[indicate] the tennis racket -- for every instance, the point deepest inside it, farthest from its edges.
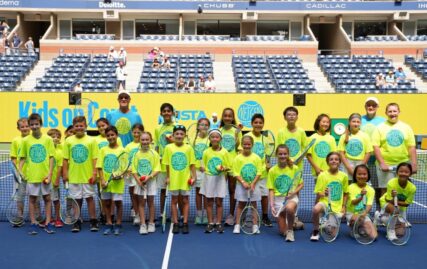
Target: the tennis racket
(361, 229)
(269, 143)
(284, 185)
(15, 208)
(70, 210)
(164, 212)
(192, 132)
(249, 217)
(85, 107)
(329, 223)
(229, 142)
(120, 167)
(304, 152)
(398, 228)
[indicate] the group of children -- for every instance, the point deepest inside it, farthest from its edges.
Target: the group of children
(217, 162)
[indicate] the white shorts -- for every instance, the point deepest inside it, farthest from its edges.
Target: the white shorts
(278, 201)
(241, 193)
(325, 208)
(22, 191)
(402, 213)
(54, 194)
(214, 186)
(37, 189)
(81, 191)
(201, 176)
(262, 183)
(150, 187)
(130, 181)
(111, 196)
(353, 164)
(349, 215)
(180, 192)
(161, 180)
(383, 177)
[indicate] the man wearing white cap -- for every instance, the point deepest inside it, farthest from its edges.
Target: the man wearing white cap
(214, 121)
(370, 121)
(122, 55)
(124, 117)
(121, 76)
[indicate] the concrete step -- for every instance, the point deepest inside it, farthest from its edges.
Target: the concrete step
(29, 83)
(420, 84)
(224, 77)
(320, 80)
(134, 70)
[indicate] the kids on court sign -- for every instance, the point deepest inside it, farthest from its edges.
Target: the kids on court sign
(57, 113)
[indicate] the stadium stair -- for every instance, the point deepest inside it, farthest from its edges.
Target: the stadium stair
(30, 81)
(320, 81)
(410, 74)
(134, 69)
(224, 78)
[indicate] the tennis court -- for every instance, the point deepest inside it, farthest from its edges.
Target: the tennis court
(200, 250)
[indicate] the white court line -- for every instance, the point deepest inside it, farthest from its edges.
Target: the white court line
(6, 176)
(168, 249)
(425, 206)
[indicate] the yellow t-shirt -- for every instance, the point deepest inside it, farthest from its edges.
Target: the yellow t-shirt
(37, 152)
(107, 159)
(296, 141)
(57, 163)
(103, 142)
(394, 141)
(212, 158)
(15, 149)
(354, 193)
(338, 185)
(229, 140)
(282, 181)
(259, 149)
(179, 160)
(247, 167)
(80, 153)
(201, 144)
(160, 141)
(132, 148)
(406, 194)
(358, 145)
(146, 163)
(324, 144)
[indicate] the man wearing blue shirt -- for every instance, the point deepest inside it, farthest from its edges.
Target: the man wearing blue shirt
(124, 118)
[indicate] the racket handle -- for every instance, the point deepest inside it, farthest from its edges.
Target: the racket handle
(67, 184)
(395, 201)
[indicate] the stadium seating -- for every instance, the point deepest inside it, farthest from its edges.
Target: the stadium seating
(357, 74)
(65, 71)
(100, 76)
(158, 38)
(205, 38)
(265, 38)
(94, 37)
(13, 68)
(164, 80)
(418, 66)
(417, 37)
(376, 38)
(270, 74)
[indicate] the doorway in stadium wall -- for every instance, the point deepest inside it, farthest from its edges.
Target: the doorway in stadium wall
(35, 29)
(327, 33)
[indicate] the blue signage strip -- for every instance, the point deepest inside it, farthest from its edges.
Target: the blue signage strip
(217, 6)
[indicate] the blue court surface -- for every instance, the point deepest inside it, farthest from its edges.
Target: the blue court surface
(199, 250)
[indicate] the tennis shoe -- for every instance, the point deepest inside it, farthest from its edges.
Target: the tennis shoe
(209, 228)
(315, 236)
(33, 229)
(50, 229)
(59, 224)
(377, 218)
(267, 222)
(18, 225)
(198, 220)
(255, 229)
(77, 227)
(143, 229)
(236, 229)
(151, 227)
(290, 236)
(219, 228)
(117, 229)
(132, 213)
(185, 229)
(136, 220)
(94, 227)
(175, 229)
(391, 235)
(205, 220)
(229, 221)
(108, 230)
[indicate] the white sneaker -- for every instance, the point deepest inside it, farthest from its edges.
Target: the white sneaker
(377, 218)
(236, 229)
(136, 220)
(315, 236)
(229, 220)
(255, 229)
(391, 235)
(143, 229)
(132, 213)
(290, 236)
(151, 227)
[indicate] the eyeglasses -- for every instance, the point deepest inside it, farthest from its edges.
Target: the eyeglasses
(124, 97)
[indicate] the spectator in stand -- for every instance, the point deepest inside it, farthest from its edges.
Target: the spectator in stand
(380, 81)
(112, 54)
(166, 63)
(390, 80)
(400, 74)
(16, 43)
(210, 84)
(1, 27)
(6, 44)
(29, 45)
(78, 87)
(4, 27)
(201, 83)
(152, 54)
(156, 64)
(191, 84)
(180, 84)
(122, 56)
(161, 54)
(215, 123)
(121, 76)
